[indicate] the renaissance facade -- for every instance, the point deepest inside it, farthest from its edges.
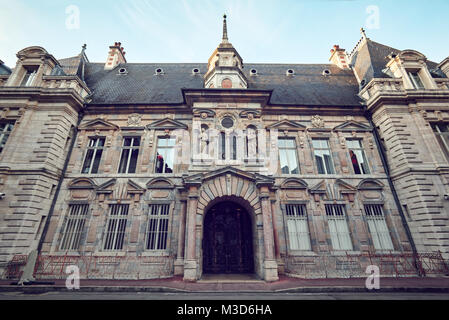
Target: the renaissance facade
(146, 170)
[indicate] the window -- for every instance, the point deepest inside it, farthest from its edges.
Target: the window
(323, 156)
(357, 155)
(288, 156)
(130, 153)
(222, 145)
(5, 131)
(165, 155)
(157, 229)
(116, 227)
(416, 80)
(93, 155)
(233, 142)
(378, 227)
(442, 132)
(74, 226)
(338, 227)
(298, 229)
(29, 77)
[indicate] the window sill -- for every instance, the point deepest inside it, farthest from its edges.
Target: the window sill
(154, 254)
(345, 252)
(111, 254)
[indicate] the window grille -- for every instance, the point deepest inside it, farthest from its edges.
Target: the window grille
(378, 227)
(74, 226)
(297, 226)
(157, 228)
(338, 227)
(116, 227)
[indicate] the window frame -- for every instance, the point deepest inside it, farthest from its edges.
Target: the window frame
(303, 217)
(440, 135)
(159, 218)
(96, 148)
(327, 140)
(338, 217)
(131, 147)
(166, 147)
(77, 221)
(362, 150)
(375, 212)
(30, 75)
(116, 232)
(6, 133)
(285, 149)
(412, 76)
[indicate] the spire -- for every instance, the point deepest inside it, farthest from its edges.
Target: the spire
(225, 30)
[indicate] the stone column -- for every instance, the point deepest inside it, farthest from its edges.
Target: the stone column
(191, 263)
(270, 264)
(179, 263)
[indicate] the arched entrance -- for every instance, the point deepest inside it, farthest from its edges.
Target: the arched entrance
(227, 239)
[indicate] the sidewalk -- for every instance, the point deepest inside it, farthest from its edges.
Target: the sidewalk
(285, 284)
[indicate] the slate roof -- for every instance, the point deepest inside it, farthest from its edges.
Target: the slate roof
(142, 86)
(371, 59)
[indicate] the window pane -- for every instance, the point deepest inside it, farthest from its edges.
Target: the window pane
(96, 163)
(124, 161)
(133, 161)
(88, 161)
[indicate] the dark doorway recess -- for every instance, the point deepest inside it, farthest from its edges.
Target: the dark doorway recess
(227, 240)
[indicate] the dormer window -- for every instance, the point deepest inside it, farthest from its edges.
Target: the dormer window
(29, 77)
(416, 80)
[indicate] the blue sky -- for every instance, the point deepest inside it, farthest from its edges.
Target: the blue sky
(280, 31)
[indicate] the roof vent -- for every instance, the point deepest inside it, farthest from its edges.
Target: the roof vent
(195, 71)
(326, 72)
(159, 71)
(122, 71)
(290, 72)
(253, 72)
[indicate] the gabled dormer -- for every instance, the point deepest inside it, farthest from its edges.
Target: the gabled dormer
(225, 66)
(32, 64)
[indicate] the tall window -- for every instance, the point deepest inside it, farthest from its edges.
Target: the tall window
(165, 155)
(74, 226)
(5, 131)
(378, 227)
(130, 153)
(323, 156)
(233, 143)
(357, 155)
(222, 146)
(442, 132)
(93, 155)
(338, 227)
(416, 80)
(288, 156)
(116, 227)
(298, 229)
(29, 77)
(157, 229)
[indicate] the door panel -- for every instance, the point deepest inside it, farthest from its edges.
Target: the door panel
(227, 240)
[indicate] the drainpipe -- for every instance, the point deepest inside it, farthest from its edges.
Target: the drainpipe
(27, 276)
(383, 158)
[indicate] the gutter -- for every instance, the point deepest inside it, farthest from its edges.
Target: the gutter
(27, 276)
(383, 158)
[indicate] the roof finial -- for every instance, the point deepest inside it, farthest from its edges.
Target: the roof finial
(362, 31)
(225, 30)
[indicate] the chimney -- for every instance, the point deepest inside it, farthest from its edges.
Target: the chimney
(116, 56)
(339, 57)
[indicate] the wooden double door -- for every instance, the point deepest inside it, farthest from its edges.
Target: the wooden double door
(227, 240)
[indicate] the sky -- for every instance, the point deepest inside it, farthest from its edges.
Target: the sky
(262, 31)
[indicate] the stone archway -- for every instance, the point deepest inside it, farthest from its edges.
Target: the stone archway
(252, 192)
(227, 239)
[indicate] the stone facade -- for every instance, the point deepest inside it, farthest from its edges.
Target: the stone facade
(225, 146)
